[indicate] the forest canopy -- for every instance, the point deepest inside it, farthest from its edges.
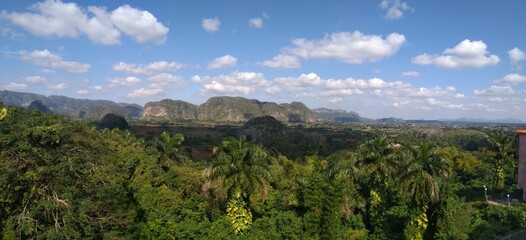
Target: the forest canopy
(66, 179)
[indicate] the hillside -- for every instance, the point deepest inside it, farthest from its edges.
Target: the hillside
(331, 115)
(168, 109)
(227, 109)
(76, 108)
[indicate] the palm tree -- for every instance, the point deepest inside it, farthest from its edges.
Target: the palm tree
(379, 157)
(424, 164)
(418, 179)
(502, 152)
(239, 168)
(170, 148)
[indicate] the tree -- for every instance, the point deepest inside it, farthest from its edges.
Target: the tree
(330, 198)
(501, 151)
(240, 169)
(379, 159)
(170, 149)
(418, 179)
(3, 111)
(112, 121)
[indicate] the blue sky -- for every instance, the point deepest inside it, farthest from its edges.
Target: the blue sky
(380, 58)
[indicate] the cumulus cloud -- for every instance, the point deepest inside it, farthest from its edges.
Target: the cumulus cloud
(350, 47)
(411, 74)
(494, 90)
(358, 84)
(233, 83)
(467, 54)
(34, 79)
(282, 61)
(82, 92)
(54, 18)
(148, 69)
(255, 22)
(145, 92)
(46, 58)
(303, 81)
(58, 86)
(512, 79)
(222, 62)
(97, 88)
(123, 82)
(13, 86)
(516, 55)
(210, 24)
(167, 80)
(395, 8)
(142, 26)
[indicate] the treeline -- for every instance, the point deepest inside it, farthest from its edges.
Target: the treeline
(64, 179)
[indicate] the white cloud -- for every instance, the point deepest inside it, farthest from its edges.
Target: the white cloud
(47, 71)
(34, 79)
(222, 62)
(46, 58)
(142, 26)
(512, 79)
(467, 54)
(255, 22)
(350, 47)
(13, 86)
(395, 8)
(148, 69)
(303, 81)
(10, 33)
(167, 80)
(145, 92)
(495, 90)
(58, 86)
(335, 100)
(282, 61)
(97, 88)
(411, 74)
(123, 82)
(516, 55)
(210, 24)
(358, 84)
(82, 92)
(234, 83)
(53, 18)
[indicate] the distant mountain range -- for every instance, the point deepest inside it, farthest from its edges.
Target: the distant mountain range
(76, 108)
(216, 109)
(227, 109)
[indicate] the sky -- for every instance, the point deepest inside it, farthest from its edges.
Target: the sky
(381, 58)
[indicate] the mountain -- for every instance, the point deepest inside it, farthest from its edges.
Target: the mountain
(170, 110)
(331, 115)
(39, 106)
(481, 120)
(226, 109)
(76, 108)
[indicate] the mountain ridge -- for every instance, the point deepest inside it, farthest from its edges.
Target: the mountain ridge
(286, 112)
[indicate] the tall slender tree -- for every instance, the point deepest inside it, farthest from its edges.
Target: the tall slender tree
(501, 152)
(240, 168)
(379, 159)
(170, 149)
(419, 180)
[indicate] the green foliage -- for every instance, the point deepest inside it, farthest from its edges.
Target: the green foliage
(112, 121)
(238, 214)
(62, 179)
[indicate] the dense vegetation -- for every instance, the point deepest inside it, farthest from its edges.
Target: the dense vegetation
(65, 179)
